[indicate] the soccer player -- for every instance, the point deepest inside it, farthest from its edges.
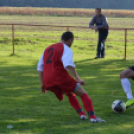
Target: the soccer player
(52, 68)
(124, 76)
(102, 27)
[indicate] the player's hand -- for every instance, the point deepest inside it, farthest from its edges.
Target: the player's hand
(93, 27)
(82, 82)
(43, 89)
(96, 29)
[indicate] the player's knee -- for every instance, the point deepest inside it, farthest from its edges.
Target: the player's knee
(80, 92)
(103, 41)
(122, 75)
(84, 92)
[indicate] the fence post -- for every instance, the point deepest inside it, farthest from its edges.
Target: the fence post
(13, 37)
(125, 44)
(67, 28)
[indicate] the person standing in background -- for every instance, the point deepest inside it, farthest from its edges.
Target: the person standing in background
(101, 26)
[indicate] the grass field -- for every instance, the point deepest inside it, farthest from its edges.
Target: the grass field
(29, 111)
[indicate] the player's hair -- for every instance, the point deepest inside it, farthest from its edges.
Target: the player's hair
(67, 35)
(98, 8)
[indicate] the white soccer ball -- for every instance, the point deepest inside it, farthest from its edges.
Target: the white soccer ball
(118, 106)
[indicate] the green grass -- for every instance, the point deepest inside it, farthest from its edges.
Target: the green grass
(29, 111)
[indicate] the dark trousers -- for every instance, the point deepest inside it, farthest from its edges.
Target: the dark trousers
(101, 43)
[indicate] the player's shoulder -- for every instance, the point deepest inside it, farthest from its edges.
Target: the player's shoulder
(56, 45)
(102, 15)
(59, 44)
(67, 48)
(95, 16)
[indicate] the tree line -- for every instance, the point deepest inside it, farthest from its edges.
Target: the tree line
(105, 4)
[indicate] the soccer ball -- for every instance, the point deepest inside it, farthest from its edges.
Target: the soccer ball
(118, 106)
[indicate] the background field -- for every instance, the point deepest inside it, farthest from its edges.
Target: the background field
(30, 37)
(81, 12)
(30, 111)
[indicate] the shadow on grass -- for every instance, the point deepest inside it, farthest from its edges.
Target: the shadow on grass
(16, 55)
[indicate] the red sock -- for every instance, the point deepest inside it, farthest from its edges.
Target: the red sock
(75, 104)
(87, 103)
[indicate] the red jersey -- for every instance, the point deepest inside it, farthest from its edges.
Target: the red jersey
(54, 73)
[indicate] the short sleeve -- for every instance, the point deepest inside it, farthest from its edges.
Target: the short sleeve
(40, 65)
(67, 57)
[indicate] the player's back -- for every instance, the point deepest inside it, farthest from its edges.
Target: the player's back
(53, 67)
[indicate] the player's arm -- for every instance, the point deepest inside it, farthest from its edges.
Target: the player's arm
(40, 68)
(72, 70)
(68, 63)
(41, 76)
(92, 22)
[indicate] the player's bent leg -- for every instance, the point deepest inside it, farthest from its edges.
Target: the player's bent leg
(75, 104)
(87, 103)
(128, 73)
(124, 76)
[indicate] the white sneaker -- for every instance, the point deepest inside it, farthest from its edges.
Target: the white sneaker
(83, 117)
(97, 120)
